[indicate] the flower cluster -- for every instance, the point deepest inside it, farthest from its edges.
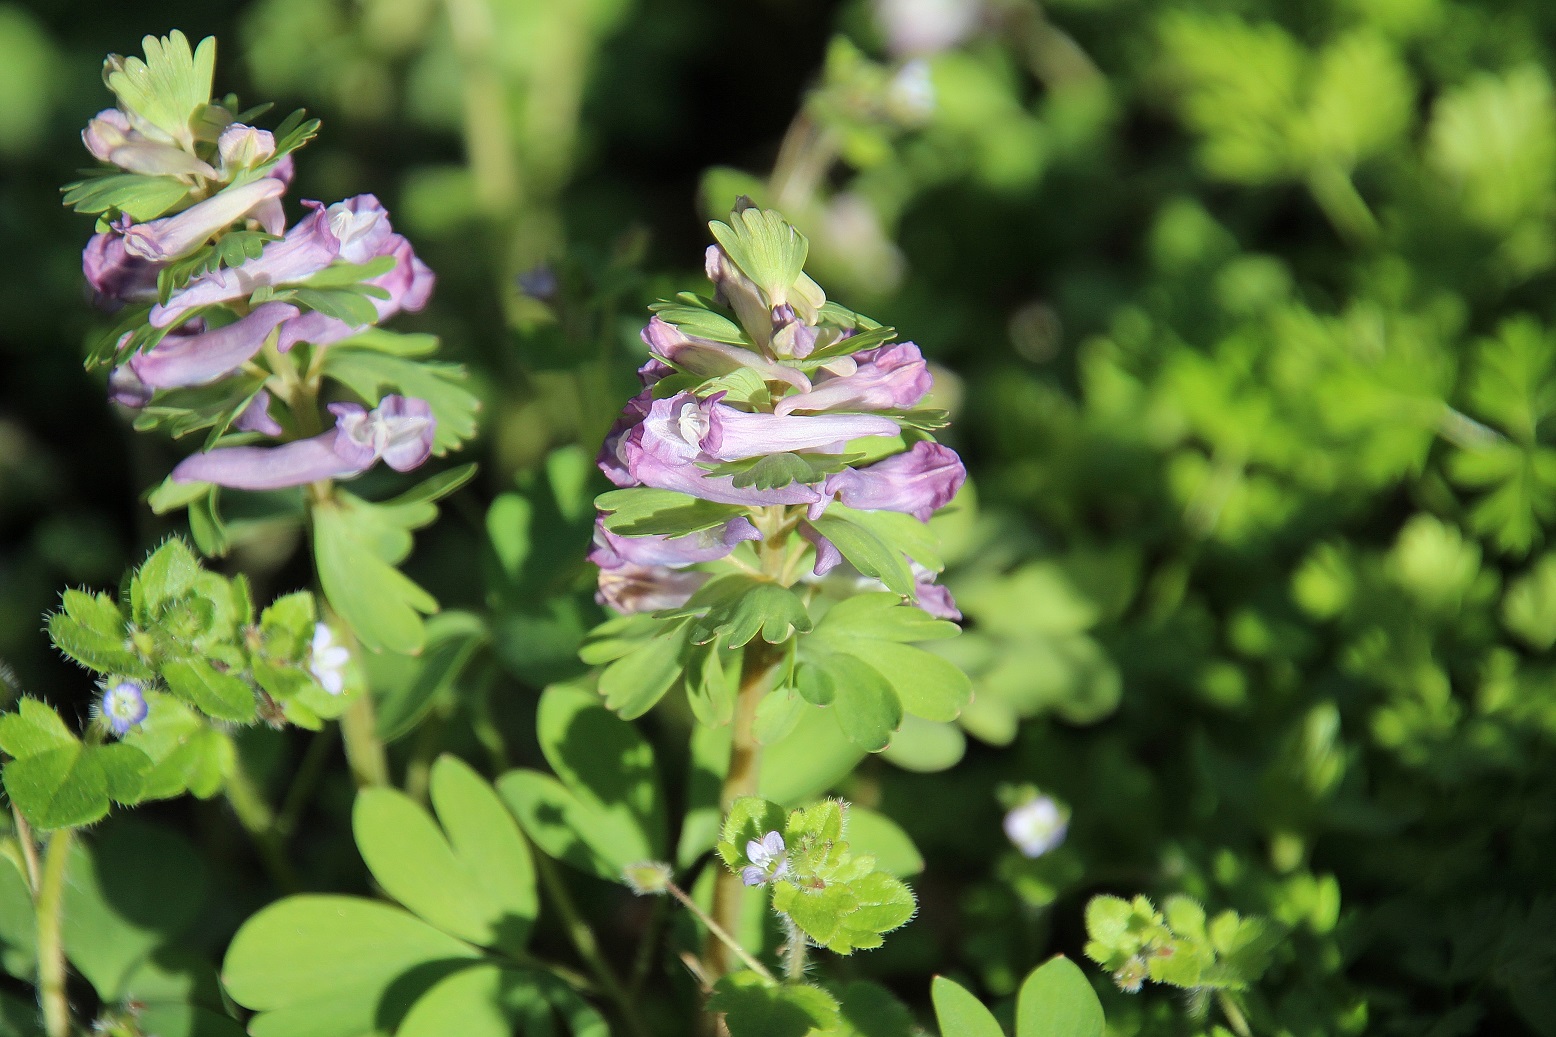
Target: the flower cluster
(793, 410)
(216, 291)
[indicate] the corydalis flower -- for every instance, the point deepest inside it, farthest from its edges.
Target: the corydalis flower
(918, 481)
(399, 431)
(123, 707)
(1037, 826)
(172, 237)
(327, 660)
(768, 862)
(203, 357)
(110, 138)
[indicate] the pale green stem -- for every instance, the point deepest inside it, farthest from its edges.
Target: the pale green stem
(793, 952)
(29, 849)
(50, 909)
(584, 942)
(364, 749)
(1346, 209)
(488, 133)
(1234, 1015)
(804, 156)
(719, 933)
(259, 821)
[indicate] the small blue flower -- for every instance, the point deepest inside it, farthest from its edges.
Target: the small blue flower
(1037, 826)
(767, 860)
(123, 707)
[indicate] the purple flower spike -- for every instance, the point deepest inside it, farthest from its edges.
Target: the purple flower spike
(175, 236)
(123, 707)
(200, 359)
(891, 377)
(110, 138)
(114, 274)
(709, 545)
(707, 359)
(646, 588)
(399, 431)
(308, 247)
(917, 481)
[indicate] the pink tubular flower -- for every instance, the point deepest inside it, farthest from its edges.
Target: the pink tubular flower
(890, 377)
(709, 545)
(409, 285)
(308, 247)
(647, 588)
(684, 425)
(110, 138)
(399, 431)
(173, 237)
(917, 481)
(114, 274)
(199, 359)
(708, 359)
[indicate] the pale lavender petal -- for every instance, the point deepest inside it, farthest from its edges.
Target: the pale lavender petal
(269, 468)
(935, 599)
(751, 875)
(199, 359)
(736, 435)
(243, 146)
(708, 359)
(107, 130)
(828, 557)
(115, 274)
(742, 295)
(127, 390)
(409, 428)
(613, 453)
(362, 226)
(891, 377)
(256, 416)
(175, 236)
(644, 588)
(271, 216)
(611, 550)
(110, 139)
(649, 469)
(772, 842)
(308, 247)
(409, 284)
(757, 853)
(916, 481)
(652, 371)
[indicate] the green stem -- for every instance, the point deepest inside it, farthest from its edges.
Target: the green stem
(50, 905)
(1346, 209)
(584, 942)
(305, 780)
(793, 952)
(259, 821)
(1234, 1015)
(742, 779)
(29, 848)
(718, 932)
(364, 750)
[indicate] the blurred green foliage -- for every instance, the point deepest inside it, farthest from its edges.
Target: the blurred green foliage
(1244, 310)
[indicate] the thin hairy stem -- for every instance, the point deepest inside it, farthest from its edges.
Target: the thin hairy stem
(259, 821)
(719, 933)
(29, 849)
(584, 942)
(793, 952)
(50, 907)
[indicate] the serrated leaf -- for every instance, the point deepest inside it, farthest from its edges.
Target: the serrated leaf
(737, 608)
(91, 630)
(639, 678)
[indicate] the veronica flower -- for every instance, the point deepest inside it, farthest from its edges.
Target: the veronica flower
(917, 481)
(399, 431)
(202, 358)
(890, 377)
(768, 862)
(123, 707)
(173, 237)
(1037, 826)
(110, 138)
(327, 660)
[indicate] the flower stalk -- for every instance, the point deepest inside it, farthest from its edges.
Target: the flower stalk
(50, 908)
